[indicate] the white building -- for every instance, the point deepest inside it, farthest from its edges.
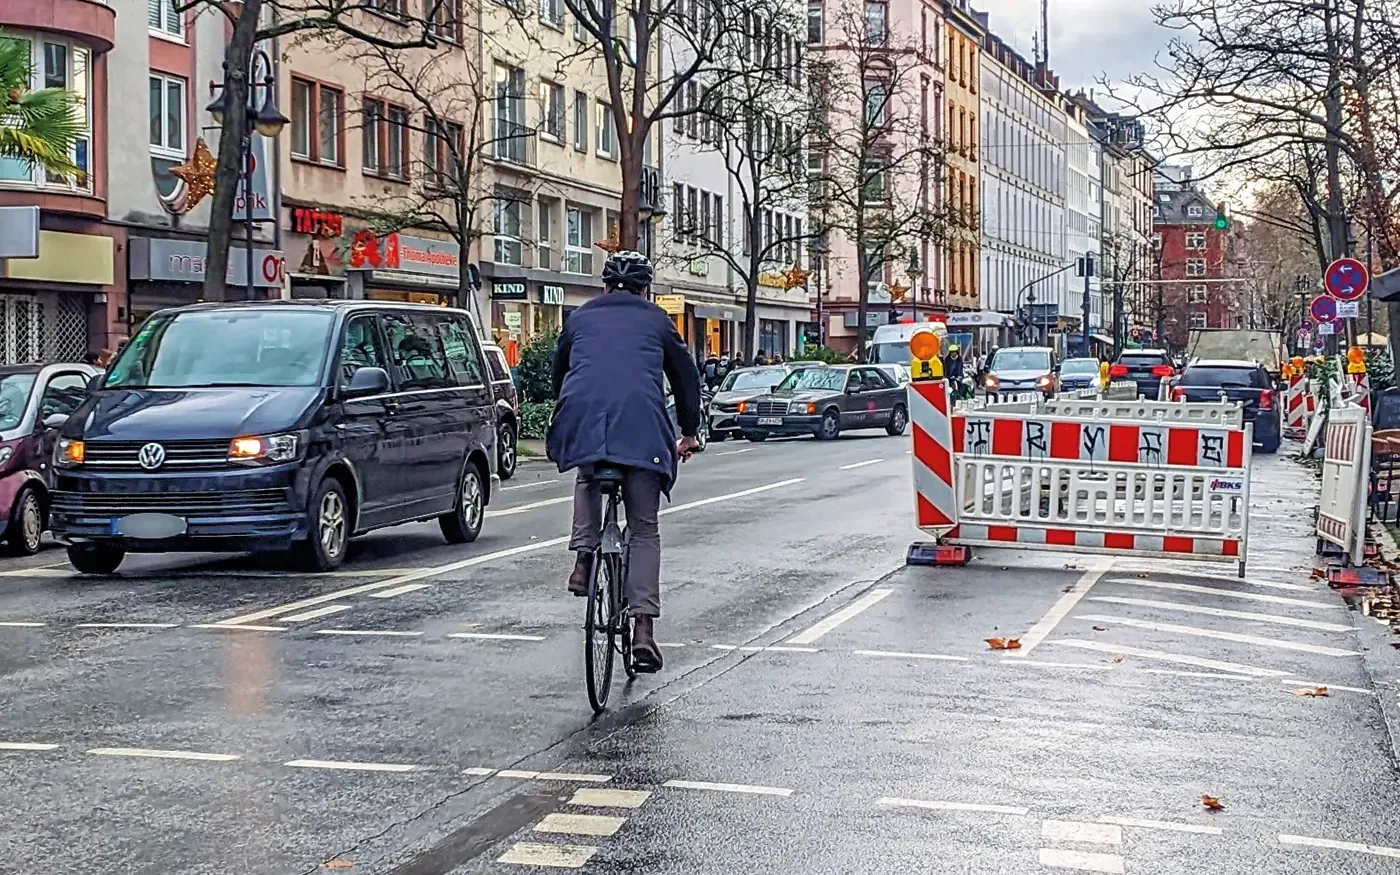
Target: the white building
(1023, 184)
(1084, 211)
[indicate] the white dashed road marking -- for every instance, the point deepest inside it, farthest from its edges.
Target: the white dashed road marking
(240, 628)
(1075, 831)
(580, 824)
(1236, 637)
(944, 805)
(349, 766)
(854, 609)
(368, 632)
(26, 745)
(534, 505)
(532, 485)
(897, 654)
(1224, 612)
(21, 624)
(554, 776)
(126, 625)
(399, 590)
(1163, 824)
(550, 856)
(1163, 656)
(590, 797)
(314, 614)
(495, 636)
(1082, 861)
(736, 452)
(163, 754)
(1062, 607)
(728, 788)
(778, 648)
(1355, 847)
(1223, 593)
(860, 464)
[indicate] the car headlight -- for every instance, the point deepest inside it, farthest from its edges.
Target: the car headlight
(1045, 382)
(991, 382)
(69, 452)
(802, 407)
(743, 407)
(265, 449)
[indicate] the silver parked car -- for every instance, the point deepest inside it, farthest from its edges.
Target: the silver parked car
(741, 385)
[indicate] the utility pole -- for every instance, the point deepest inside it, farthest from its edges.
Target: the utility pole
(1332, 149)
(1086, 269)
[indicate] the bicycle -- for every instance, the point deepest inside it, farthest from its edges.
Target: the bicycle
(607, 627)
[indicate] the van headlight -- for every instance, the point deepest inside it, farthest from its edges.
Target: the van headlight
(266, 449)
(69, 452)
(991, 382)
(1045, 382)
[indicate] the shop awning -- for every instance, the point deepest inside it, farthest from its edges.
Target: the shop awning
(726, 314)
(979, 319)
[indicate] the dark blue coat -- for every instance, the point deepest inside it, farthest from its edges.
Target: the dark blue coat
(611, 399)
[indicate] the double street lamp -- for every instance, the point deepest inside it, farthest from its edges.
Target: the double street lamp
(265, 119)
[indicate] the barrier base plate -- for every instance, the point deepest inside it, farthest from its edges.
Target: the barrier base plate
(931, 553)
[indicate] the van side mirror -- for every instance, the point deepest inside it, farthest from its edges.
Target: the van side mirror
(367, 381)
(95, 382)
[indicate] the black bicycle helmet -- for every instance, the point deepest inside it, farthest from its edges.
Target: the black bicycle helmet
(627, 270)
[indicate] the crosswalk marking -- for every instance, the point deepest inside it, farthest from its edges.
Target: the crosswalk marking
(598, 798)
(728, 788)
(399, 590)
(554, 776)
(1224, 612)
(1076, 831)
(580, 824)
(316, 613)
(854, 609)
(1083, 861)
(1164, 656)
(551, 856)
(1222, 593)
(1236, 637)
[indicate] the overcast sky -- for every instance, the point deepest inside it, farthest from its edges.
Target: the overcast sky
(1087, 37)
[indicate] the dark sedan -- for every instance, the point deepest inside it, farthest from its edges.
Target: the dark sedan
(1236, 380)
(826, 401)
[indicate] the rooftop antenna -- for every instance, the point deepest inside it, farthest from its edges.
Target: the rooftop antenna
(1045, 32)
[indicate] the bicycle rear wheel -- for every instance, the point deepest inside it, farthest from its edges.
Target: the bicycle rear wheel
(599, 632)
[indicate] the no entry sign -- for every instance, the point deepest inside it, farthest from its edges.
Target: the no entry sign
(1323, 309)
(1347, 279)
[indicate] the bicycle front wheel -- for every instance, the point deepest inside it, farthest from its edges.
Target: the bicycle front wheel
(599, 632)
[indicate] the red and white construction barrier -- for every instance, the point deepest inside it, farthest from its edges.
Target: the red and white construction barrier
(1295, 413)
(1361, 390)
(1079, 483)
(1346, 478)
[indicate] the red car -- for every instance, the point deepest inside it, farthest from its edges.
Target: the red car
(35, 400)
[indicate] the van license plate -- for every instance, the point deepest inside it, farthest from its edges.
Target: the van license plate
(770, 420)
(153, 526)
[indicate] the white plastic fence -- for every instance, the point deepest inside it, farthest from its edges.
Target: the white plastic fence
(1223, 414)
(1346, 477)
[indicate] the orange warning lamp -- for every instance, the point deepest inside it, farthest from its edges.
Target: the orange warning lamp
(924, 363)
(1356, 361)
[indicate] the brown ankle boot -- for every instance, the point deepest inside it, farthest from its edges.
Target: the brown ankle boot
(578, 578)
(646, 655)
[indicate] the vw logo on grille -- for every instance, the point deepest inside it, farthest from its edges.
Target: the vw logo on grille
(151, 456)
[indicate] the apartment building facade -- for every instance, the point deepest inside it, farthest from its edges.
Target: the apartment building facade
(1084, 216)
(965, 133)
(1199, 263)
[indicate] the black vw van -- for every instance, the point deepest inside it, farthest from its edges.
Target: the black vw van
(278, 425)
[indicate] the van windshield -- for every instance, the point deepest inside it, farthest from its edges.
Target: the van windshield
(225, 348)
(894, 353)
(1021, 360)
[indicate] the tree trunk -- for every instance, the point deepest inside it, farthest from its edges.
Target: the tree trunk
(754, 232)
(863, 297)
(631, 163)
(231, 140)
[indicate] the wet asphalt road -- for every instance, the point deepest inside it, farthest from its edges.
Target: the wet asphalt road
(824, 709)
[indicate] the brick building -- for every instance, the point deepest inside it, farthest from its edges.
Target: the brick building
(1199, 264)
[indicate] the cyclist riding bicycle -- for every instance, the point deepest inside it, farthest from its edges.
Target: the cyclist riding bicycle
(612, 411)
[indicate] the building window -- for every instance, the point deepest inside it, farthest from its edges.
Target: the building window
(578, 241)
(1196, 240)
(552, 104)
(875, 16)
(56, 64)
(544, 252)
(163, 19)
(384, 132)
(509, 102)
(1198, 319)
(386, 7)
(552, 13)
(814, 21)
(580, 121)
(446, 21)
(720, 221)
(1196, 295)
(317, 112)
(443, 147)
(604, 130)
(1195, 211)
(167, 111)
(1195, 267)
(507, 231)
(876, 104)
(704, 221)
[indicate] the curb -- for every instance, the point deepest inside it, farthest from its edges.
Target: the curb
(1379, 659)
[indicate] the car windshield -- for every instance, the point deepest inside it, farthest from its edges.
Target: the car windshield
(1235, 378)
(1079, 366)
(203, 348)
(830, 379)
(14, 394)
(896, 353)
(758, 378)
(1021, 360)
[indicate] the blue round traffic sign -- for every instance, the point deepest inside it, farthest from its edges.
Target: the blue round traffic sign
(1347, 279)
(1323, 308)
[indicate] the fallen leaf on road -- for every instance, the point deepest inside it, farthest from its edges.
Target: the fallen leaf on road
(1311, 692)
(337, 864)
(1211, 803)
(1117, 659)
(1100, 628)
(1004, 643)
(1069, 588)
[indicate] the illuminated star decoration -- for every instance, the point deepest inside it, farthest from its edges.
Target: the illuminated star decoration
(898, 291)
(610, 245)
(795, 278)
(198, 174)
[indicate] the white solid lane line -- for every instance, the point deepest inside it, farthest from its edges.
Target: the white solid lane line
(1236, 637)
(897, 654)
(860, 464)
(399, 590)
(369, 632)
(1356, 847)
(126, 625)
(534, 505)
(944, 805)
(494, 636)
(163, 754)
(580, 824)
(1081, 861)
(729, 788)
(1078, 831)
(736, 452)
(26, 745)
(1164, 824)
(1062, 607)
(860, 605)
(532, 485)
(1163, 656)
(1224, 612)
(422, 573)
(1222, 593)
(349, 766)
(318, 612)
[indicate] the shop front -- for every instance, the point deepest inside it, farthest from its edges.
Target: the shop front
(402, 267)
(53, 306)
(719, 325)
(317, 249)
(170, 273)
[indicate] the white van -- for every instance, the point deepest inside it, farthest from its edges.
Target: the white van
(890, 346)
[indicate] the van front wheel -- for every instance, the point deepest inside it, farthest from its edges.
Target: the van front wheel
(328, 529)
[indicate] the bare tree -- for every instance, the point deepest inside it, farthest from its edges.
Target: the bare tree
(878, 158)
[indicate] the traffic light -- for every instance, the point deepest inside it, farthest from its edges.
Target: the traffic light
(1222, 221)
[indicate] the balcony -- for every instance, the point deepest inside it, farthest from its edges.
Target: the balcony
(513, 143)
(87, 21)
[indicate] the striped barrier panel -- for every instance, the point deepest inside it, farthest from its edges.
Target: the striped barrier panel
(1346, 477)
(1361, 390)
(935, 508)
(1226, 414)
(1295, 406)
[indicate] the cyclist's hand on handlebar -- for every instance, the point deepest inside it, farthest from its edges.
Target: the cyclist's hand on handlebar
(686, 447)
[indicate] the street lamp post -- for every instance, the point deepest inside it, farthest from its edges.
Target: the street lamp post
(819, 248)
(916, 272)
(266, 120)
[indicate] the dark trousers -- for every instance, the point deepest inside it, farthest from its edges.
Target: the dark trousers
(641, 497)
